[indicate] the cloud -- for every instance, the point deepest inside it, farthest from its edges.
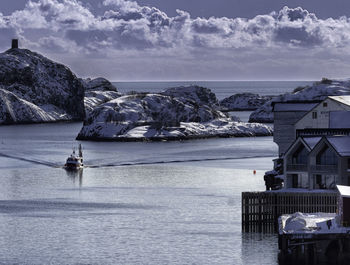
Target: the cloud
(127, 25)
(127, 28)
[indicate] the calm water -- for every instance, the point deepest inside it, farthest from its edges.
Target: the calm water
(173, 203)
(149, 213)
(222, 89)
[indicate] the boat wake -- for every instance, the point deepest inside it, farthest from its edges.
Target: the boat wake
(39, 162)
(174, 161)
(139, 163)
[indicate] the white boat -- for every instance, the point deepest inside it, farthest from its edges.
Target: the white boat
(75, 161)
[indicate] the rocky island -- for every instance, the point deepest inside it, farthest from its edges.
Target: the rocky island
(35, 89)
(243, 101)
(175, 114)
(98, 91)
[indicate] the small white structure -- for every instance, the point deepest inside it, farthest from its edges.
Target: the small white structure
(344, 205)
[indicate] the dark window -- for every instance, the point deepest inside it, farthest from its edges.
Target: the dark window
(318, 179)
(319, 182)
(300, 156)
(326, 157)
(294, 181)
(348, 163)
(314, 115)
(324, 104)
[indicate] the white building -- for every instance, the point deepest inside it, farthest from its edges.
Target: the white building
(329, 117)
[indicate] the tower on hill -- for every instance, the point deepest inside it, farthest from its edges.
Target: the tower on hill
(14, 44)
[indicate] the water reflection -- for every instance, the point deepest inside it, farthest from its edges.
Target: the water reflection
(255, 245)
(75, 175)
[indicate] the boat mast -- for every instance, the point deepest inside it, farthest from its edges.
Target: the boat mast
(80, 151)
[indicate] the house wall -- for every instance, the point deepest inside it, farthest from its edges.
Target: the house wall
(284, 130)
(322, 120)
(344, 171)
(303, 180)
(346, 211)
(328, 178)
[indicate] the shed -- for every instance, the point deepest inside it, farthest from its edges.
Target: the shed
(344, 204)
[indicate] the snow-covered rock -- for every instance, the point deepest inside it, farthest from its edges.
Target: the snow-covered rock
(198, 94)
(36, 89)
(98, 84)
(318, 91)
(167, 115)
(243, 101)
(97, 92)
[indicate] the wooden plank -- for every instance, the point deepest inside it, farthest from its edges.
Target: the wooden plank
(260, 210)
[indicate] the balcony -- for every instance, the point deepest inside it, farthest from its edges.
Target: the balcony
(296, 167)
(325, 168)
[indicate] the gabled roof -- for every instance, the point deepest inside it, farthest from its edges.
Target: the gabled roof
(344, 190)
(341, 144)
(308, 142)
(311, 141)
(342, 99)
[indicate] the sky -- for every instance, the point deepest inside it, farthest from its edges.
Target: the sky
(185, 39)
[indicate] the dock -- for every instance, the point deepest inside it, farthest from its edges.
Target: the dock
(317, 238)
(260, 210)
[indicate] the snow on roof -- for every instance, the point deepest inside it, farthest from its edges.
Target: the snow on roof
(341, 144)
(311, 141)
(281, 106)
(342, 99)
(310, 223)
(344, 190)
(339, 119)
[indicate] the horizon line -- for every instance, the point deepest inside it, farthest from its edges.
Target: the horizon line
(174, 81)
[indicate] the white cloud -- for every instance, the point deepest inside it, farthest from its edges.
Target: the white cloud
(70, 27)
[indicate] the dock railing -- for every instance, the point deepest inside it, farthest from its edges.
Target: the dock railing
(260, 210)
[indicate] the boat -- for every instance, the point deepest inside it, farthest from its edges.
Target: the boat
(74, 161)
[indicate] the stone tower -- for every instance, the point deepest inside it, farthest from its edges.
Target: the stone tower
(14, 44)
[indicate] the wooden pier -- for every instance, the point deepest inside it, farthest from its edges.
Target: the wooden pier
(260, 210)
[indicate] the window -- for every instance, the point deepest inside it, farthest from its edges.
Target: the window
(294, 181)
(325, 104)
(320, 182)
(314, 115)
(300, 156)
(326, 157)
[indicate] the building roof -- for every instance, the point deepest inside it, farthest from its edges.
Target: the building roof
(339, 119)
(308, 142)
(341, 144)
(344, 190)
(294, 106)
(311, 141)
(342, 99)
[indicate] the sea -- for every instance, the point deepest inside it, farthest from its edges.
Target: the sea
(176, 202)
